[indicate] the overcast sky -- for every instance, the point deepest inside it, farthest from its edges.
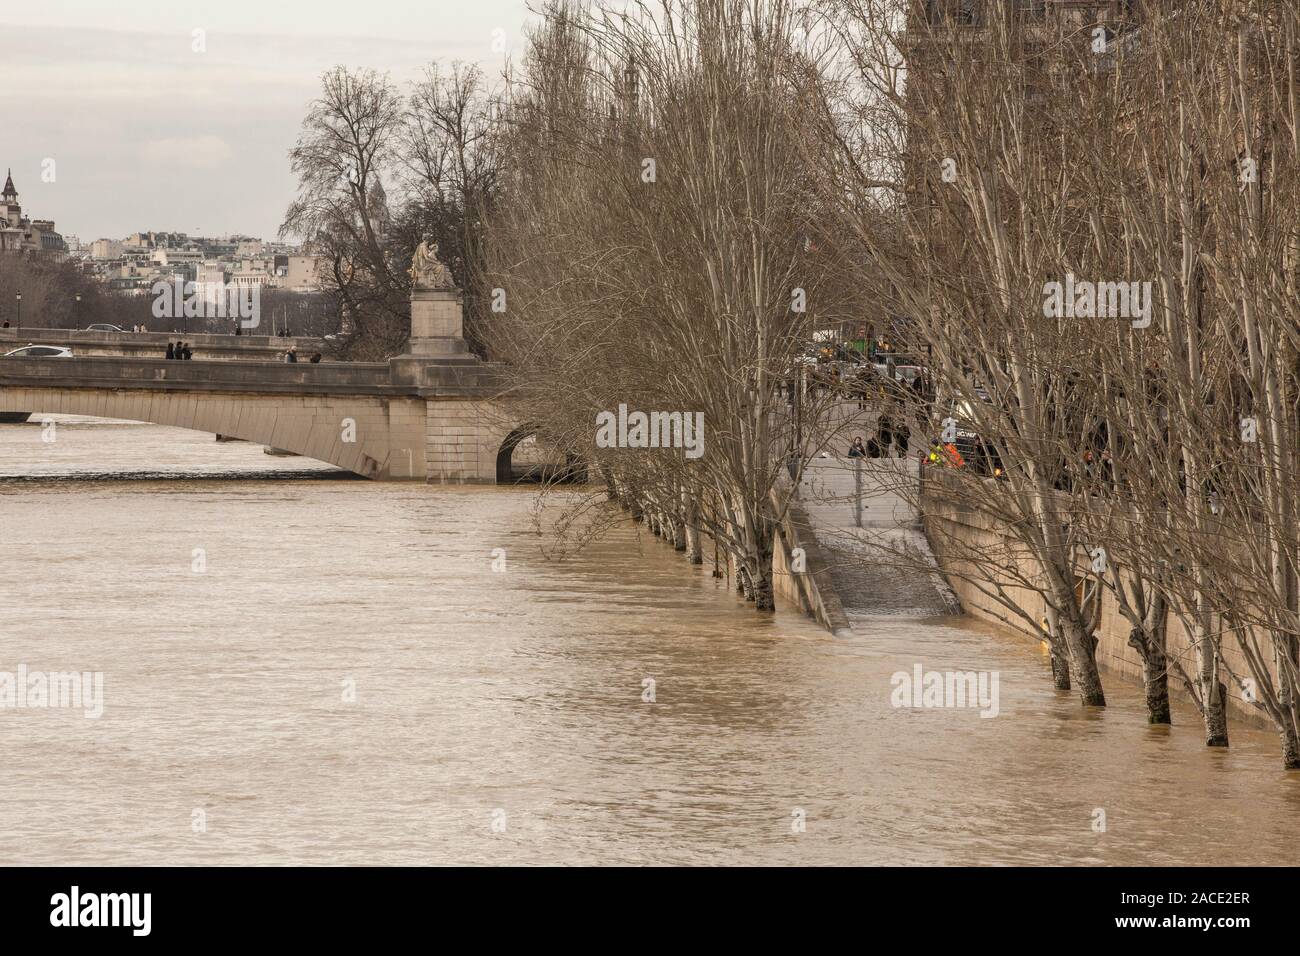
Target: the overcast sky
(147, 134)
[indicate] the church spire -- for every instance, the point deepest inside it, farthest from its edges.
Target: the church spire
(9, 191)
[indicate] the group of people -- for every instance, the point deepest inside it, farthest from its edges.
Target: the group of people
(892, 431)
(182, 351)
(291, 356)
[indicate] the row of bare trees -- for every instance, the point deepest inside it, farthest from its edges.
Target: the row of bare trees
(1142, 441)
(660, 241)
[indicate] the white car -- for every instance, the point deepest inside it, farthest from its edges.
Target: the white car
(40, 351)
(103, 327)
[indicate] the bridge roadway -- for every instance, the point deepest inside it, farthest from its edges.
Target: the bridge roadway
(412, 418)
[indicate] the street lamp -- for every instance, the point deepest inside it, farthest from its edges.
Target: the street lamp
(19, 297)
(76, 318)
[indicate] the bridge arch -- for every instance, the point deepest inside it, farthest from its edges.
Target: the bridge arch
(506, 452)
(319, 429)
(507, 472)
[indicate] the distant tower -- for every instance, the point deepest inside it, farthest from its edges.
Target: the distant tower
(9, 208)
(631, 87)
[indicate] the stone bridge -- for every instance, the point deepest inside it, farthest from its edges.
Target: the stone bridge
(435, 421)
(434, 414)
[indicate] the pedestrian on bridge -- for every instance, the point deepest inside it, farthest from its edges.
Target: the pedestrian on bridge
(187, 354)
(171, 351)
(902, 436)
(885, 432)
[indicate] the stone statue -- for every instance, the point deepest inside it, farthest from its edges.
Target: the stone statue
(427, 270)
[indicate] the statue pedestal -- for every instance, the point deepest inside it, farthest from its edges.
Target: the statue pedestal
(437, 325)
(437, 353)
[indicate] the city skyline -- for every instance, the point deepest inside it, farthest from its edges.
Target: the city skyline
(144, 133)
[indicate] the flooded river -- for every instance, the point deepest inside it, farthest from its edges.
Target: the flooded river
(299, 667)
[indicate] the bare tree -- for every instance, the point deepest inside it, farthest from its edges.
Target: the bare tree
(348, 143)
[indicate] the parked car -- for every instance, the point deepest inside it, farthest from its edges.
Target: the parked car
(40, 351)
(906, 374)
(103, 327)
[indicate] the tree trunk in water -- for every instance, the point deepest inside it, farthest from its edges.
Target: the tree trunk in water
(1149, 640)
(1060, 664)
(1155, 659)
(764, 599)
(1057, 653)
(694, 554)
(1155, 680)
(1216, 714)
(1214, 695)
(1290, 749)
(691, 531)
(1084, 676)
(1286, 649)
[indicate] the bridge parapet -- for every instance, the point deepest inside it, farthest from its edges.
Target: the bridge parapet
(424, 378)
(154, 344)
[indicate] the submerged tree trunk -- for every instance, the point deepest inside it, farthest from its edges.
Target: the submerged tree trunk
(1214, 696)
(1150, 641)
(1080, 644)
(764, 598)
(1290, 748)
(691, 530)
(1216, 711)
(1155, 675)
(1286, 649)
(1084, 675)
(1057, 652)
